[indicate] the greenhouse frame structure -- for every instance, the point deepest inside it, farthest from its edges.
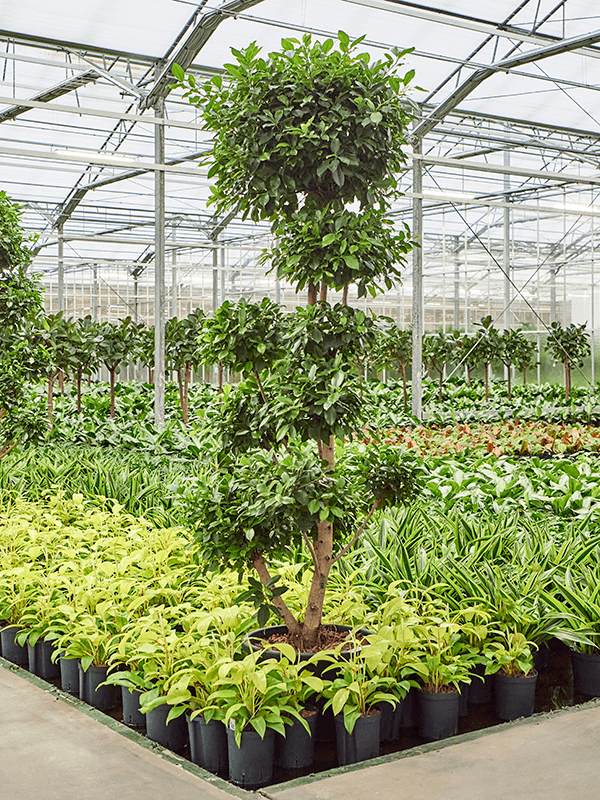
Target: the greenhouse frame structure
(502, 185)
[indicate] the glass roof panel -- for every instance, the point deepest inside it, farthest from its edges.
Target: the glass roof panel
(147, 27)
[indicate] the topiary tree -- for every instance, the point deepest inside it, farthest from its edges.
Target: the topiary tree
(20, 357)
(510, 345)
(309, 138)
(569, 345)
(182, 352)
(438, 350)
(116, 345)
(525, 357)
(489, 347)
(394, 349)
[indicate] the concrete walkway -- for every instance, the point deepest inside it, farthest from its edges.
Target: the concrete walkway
(551, 757)
(51, 750)
(55, 748)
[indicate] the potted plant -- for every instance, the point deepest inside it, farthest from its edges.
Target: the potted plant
(510, 660)
(257, 700)
(354, 696)
(281, 479)
(448, 664)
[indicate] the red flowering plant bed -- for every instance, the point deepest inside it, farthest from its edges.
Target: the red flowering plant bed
(500, 438)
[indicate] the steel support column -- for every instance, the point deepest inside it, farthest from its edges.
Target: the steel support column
(61, 269)
(159, 268)
(417, 285)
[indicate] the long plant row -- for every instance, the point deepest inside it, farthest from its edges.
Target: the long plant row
(440, 595)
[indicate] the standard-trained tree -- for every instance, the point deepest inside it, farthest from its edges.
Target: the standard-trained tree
(116, 346)
(310, 138)
(394, 350)
(569, 345)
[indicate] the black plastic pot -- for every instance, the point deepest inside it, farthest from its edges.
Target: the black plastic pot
(251, 764)
(586, 673)
(438, 714)
(463, 704)
(208, 743)
(514, 697)
(297, 748)
(362, 743)
(173, 735)
(69, 675)
(132, 716)
(12, 651)
(103, 698)
(541, 657)
(480, 691)
(40, 663)
(386, 721)
(407, 711)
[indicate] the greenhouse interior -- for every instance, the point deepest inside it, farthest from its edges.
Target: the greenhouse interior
(300, 328)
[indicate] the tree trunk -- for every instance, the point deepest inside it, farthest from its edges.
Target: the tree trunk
(79, 375)
(524, 376)
(403, 370)
(345, 295)
(51, 400)
(293, 626)
(508, 382)
(180, 386)
(221, 378)
(61, 382)
(487, 381)
(567, 380)
(323, 294)
(312, 294)
(323, 553)
(186, 382)
(441, 386)
(468, 369)
(150, 375)
(113, 377)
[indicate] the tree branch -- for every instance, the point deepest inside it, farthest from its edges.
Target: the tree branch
(358, 533)
(311, 549)
(260, 566)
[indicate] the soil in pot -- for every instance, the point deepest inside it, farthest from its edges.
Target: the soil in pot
(12, 651)
(363, 743)
(296, 749)
(172, 735)
(40, 661)
(438, 714)
(208, 744)
(251, 764)
(514, 697)
(132, 716)
(101, 697)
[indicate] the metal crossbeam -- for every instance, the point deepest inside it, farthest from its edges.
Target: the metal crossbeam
(59, 90)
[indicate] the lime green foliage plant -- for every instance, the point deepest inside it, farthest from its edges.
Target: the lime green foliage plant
(358, 686)
(510, 654)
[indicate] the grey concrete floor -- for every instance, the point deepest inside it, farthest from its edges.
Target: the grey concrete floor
(551, 757)
(50, 749)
